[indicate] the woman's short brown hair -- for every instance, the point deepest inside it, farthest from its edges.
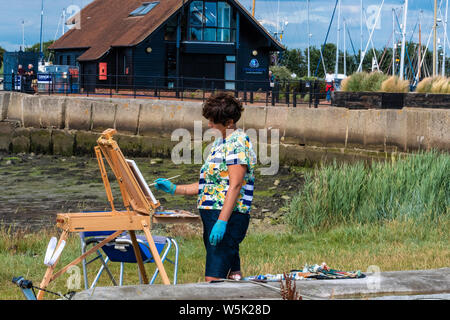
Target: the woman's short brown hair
(222, 107)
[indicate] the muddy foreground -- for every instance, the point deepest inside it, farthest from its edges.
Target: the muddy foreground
(36, 187)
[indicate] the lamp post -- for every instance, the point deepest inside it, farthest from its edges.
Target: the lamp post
(41, 54)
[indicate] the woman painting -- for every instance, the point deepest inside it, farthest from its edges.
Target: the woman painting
(224, 190)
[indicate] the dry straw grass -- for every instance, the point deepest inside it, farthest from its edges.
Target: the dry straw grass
(394, 84)
(373, 82)
(439, 84)
(424, 86)
(436, 85)
(344, 84)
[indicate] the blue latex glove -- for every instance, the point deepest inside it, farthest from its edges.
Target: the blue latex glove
(217, 232)
(165, 185)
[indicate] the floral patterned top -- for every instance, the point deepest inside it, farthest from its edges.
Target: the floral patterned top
(214, 179)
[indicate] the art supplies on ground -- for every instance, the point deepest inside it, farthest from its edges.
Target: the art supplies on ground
(309, 272)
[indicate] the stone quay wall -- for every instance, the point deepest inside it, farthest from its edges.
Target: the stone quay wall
(70, 126)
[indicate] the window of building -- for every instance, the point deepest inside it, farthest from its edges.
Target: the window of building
(68, 60)
(145, 8)
(211, 21)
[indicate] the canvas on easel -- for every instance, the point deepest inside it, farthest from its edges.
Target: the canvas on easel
(140, 206)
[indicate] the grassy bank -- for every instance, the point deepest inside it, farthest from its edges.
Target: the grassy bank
(267, 249)
(412, 188)
(393, 214)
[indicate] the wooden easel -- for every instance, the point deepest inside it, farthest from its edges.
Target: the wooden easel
(139, 214)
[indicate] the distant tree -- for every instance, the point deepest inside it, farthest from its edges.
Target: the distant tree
(294, 60)
(2, 51)
(36, 47)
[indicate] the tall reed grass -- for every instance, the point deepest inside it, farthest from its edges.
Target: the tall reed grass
(413, 188)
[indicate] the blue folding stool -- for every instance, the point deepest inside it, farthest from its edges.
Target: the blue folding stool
(121, 250)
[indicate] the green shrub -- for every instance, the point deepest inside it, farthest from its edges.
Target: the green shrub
(372, 82)
(356, 81)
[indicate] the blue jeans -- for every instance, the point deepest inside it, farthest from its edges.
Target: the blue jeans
(224, 257)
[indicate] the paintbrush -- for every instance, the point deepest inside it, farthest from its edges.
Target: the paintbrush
(152, 184)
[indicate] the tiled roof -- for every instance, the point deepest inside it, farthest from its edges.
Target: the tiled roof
(107, 23)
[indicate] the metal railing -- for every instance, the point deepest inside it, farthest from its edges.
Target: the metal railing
(290, 93)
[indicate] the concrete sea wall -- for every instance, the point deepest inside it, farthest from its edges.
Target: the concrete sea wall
(70, 126)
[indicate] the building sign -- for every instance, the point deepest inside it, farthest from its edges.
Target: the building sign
(18, 83)
(44, 78)
(254, 68)
(103, 71)
(254, 63)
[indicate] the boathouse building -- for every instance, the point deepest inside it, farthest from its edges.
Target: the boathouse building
(119, 43)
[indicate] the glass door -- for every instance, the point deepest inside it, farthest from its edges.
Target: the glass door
(230, 74)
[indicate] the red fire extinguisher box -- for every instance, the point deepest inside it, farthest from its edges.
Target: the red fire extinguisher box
(103, 71)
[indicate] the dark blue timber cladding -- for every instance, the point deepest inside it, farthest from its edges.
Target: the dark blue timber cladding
(209, 48)
(153, 64)
(67, 57)
(250, 39)
(11, 61)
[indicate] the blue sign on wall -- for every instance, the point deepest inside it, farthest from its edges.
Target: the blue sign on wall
(254, 70)
(44, 78)
(254, 63)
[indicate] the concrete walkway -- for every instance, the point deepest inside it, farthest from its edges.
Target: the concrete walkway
(417, 284)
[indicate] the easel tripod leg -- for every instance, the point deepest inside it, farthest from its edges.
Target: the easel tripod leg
(137, 253)
(155, 253)
(49, 272)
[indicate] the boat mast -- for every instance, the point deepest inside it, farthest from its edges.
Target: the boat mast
(309, 40)
(393, 42)
(345, 50)
(420, 48)
(253, 9)
(434, 38)
(370, 37)
(402, 54)
(445, 38)
(278, 20)
(361, 33)
(63, 21)
(336, 65)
